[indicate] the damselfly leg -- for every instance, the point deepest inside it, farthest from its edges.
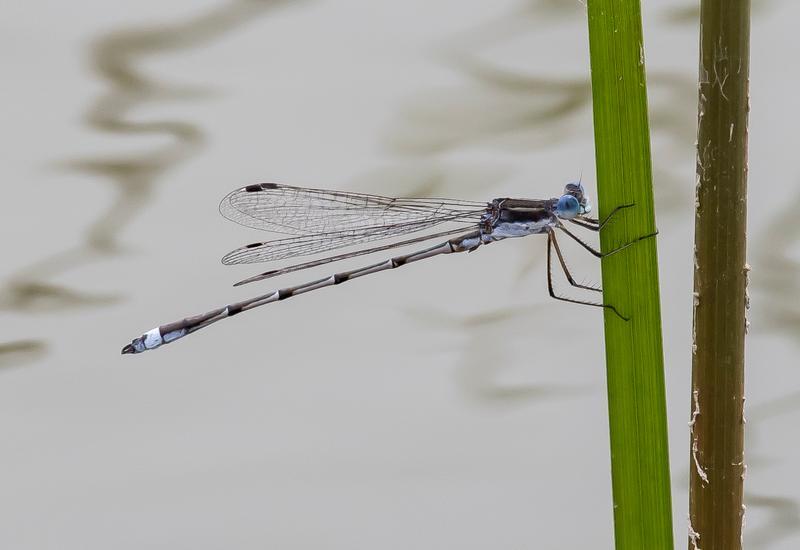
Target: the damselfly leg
(553, 243)
(593, 225)
(598, 254)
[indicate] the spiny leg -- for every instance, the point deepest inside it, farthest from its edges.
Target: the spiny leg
(596, 253)
(551, 242)
(596, 225)
(564, 267)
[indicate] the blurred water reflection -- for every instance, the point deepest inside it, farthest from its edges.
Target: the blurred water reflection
(499, 108)
(783, 522)
(504, 113)
(775, 253)
(117, 59)
(782, 512)
(21, 352)
(486, 355)
(774, 288)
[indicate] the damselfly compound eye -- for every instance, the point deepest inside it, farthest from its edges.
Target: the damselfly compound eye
(568, 207)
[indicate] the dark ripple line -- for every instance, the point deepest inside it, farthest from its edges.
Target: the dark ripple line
(115, 58)
(19, 352)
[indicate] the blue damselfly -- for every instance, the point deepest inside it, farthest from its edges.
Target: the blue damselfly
(322, 220)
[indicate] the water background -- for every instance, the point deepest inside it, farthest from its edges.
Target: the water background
(451, 404)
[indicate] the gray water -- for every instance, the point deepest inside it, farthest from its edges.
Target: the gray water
(406, 410)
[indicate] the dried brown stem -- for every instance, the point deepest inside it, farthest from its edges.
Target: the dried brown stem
(720, 278)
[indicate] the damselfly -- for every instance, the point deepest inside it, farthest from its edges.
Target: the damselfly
(323, 220)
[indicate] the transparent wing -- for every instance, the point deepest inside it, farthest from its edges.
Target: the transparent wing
(346, 255)
(305, 245)
(306, 211)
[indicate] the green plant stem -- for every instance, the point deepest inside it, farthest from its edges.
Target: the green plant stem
(720, 278)
(634, 356)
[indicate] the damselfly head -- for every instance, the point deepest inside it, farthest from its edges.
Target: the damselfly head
(575, 189)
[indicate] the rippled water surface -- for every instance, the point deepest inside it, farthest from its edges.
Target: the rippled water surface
(451, 404)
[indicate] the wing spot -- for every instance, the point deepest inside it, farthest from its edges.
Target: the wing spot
(256, 187)
(284, 293)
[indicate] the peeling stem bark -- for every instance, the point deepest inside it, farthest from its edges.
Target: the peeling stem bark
(716, 457)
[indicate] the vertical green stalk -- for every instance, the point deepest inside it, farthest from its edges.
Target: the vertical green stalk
(634, 356)
(720, 277)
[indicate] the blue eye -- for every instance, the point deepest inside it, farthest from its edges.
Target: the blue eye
(568, 207)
